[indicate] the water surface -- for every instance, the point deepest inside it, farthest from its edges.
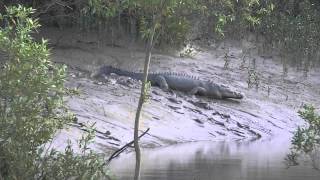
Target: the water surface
(259, 160)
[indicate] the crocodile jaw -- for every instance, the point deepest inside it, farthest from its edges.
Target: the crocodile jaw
(232, 94)
(229, 93)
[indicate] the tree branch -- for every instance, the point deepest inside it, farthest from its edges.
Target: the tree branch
(123, 148)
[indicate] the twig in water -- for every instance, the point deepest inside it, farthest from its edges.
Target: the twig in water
(123, 148)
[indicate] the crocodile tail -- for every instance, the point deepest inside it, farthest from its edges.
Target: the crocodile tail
(107, 70)
(104, 70)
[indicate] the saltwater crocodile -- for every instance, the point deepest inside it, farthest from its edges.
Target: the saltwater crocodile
(176, 81)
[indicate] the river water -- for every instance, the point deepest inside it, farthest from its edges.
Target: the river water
(259, 160)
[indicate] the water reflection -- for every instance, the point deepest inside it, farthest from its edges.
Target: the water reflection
(260, 160)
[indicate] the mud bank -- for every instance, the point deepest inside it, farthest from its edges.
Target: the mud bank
(176, 117)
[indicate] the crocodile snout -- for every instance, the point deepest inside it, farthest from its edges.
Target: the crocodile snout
(238, 95)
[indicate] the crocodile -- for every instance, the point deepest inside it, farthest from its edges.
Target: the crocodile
(177, 81)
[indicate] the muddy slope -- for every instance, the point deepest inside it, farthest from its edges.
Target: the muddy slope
(176, 117)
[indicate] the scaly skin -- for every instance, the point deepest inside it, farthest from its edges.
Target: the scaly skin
(179, 82)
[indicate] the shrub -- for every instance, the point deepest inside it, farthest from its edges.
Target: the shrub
(306, 140)
(32, 108)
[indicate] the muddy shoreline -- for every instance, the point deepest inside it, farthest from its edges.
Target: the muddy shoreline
(177, 117)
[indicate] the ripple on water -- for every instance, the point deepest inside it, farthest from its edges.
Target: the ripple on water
(215, 161)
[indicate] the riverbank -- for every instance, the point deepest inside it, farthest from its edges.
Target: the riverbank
(176, 117)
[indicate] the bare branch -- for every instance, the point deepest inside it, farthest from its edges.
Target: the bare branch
(123, 148)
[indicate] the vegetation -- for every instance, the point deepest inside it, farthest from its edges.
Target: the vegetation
(293, 28)
(32, 108)
(306, 140)
(290, 25)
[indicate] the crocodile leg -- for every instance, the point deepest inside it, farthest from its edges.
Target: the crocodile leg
(162, 83)
(198, 90)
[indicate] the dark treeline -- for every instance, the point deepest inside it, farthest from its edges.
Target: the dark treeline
(291, 26)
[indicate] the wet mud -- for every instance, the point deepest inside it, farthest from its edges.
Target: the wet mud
(175, 117)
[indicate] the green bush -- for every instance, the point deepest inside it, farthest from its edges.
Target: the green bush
(306, 140)
(32, 108)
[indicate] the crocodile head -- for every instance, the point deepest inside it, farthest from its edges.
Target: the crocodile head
(223, 92)
(226, 92)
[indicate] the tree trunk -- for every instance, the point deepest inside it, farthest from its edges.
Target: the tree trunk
(141, 101)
